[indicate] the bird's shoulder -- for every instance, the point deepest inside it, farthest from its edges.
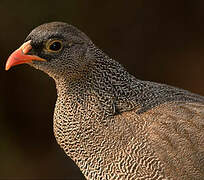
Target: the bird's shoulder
(180, 116)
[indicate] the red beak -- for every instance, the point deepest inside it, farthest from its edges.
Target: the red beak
(20, 56)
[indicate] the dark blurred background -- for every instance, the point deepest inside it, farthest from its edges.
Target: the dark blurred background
(158, 40)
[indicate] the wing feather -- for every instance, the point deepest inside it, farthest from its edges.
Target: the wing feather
(177, 136)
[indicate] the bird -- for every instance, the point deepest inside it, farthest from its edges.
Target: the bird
(111, 124)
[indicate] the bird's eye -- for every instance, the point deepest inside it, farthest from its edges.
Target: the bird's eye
(54, 45)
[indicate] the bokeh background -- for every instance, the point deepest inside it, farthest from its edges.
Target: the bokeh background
(158, 40)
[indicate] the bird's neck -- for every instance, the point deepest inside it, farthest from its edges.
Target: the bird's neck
(82, 104)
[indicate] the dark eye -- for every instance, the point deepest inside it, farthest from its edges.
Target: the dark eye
(54, 45)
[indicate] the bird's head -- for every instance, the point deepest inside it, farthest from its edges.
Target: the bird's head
(55, 48)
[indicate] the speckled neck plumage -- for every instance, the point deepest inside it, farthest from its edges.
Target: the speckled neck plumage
(111, 81)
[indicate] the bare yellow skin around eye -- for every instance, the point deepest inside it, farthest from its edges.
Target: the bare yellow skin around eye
(49, 44)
